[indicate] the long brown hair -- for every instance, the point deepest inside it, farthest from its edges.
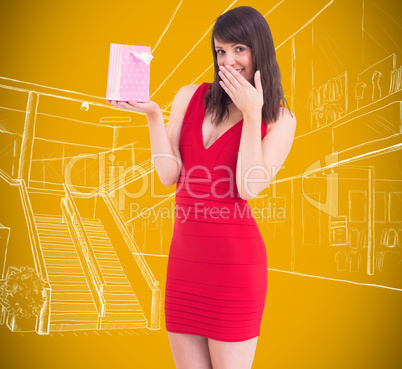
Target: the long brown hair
(247, 26)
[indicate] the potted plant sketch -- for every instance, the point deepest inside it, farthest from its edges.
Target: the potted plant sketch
(21, 295)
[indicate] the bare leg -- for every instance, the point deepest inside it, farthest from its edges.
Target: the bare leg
(232, 355)
(190, 351)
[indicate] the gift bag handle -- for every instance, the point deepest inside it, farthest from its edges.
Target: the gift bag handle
(145, 57)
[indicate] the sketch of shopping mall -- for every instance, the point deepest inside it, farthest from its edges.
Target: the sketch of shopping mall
(77, 254)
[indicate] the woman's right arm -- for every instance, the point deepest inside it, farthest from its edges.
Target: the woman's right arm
(165, 149)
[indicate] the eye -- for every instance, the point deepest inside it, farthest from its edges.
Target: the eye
(240, 48)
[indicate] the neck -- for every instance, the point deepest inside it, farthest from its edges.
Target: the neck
(233, 109)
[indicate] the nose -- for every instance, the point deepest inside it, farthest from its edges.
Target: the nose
(229, 60)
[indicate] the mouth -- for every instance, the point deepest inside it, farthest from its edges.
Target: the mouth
(240, 70)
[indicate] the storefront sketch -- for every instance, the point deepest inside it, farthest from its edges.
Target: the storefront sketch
(341, 185)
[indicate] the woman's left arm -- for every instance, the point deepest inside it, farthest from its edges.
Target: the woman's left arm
(259, 160)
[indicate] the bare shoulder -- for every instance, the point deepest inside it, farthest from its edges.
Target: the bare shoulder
(181, 101)
(177, 113)
(285, 124)
(185, 94)
(286, 114)
(285, 118)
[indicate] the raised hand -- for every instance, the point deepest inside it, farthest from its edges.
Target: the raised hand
(248, 99)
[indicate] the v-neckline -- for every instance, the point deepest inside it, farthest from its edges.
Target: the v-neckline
(221, 136)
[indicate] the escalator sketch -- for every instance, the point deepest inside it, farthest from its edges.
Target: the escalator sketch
(122, 307)
(72, 306)
(85, 285)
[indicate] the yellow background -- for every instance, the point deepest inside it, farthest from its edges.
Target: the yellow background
(313, 319)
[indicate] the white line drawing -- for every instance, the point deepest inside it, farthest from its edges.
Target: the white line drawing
(333, 212)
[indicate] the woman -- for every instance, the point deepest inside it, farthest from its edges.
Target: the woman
(223, 145)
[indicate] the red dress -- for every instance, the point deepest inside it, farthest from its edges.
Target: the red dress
(217, 268)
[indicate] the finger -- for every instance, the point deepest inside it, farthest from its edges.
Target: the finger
(237, 76)
(228, 72)
(123, 104)
(228, 84)
(226, 89)
(224, 77)
(257, 80)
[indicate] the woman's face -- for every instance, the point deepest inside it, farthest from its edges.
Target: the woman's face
(238, 56)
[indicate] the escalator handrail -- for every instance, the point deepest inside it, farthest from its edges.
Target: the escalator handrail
(87, 242)
(93, 281)
(33, 232)
(152, 282)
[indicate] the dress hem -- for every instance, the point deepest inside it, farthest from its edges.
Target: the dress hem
(211, 336)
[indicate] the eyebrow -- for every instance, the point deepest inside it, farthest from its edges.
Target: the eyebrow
(220, 47)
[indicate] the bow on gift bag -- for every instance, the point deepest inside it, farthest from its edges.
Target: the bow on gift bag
(128, 76)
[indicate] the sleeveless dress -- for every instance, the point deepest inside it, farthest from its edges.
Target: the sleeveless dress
(217, 276)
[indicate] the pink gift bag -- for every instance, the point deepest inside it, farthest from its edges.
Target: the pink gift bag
(128, 76)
